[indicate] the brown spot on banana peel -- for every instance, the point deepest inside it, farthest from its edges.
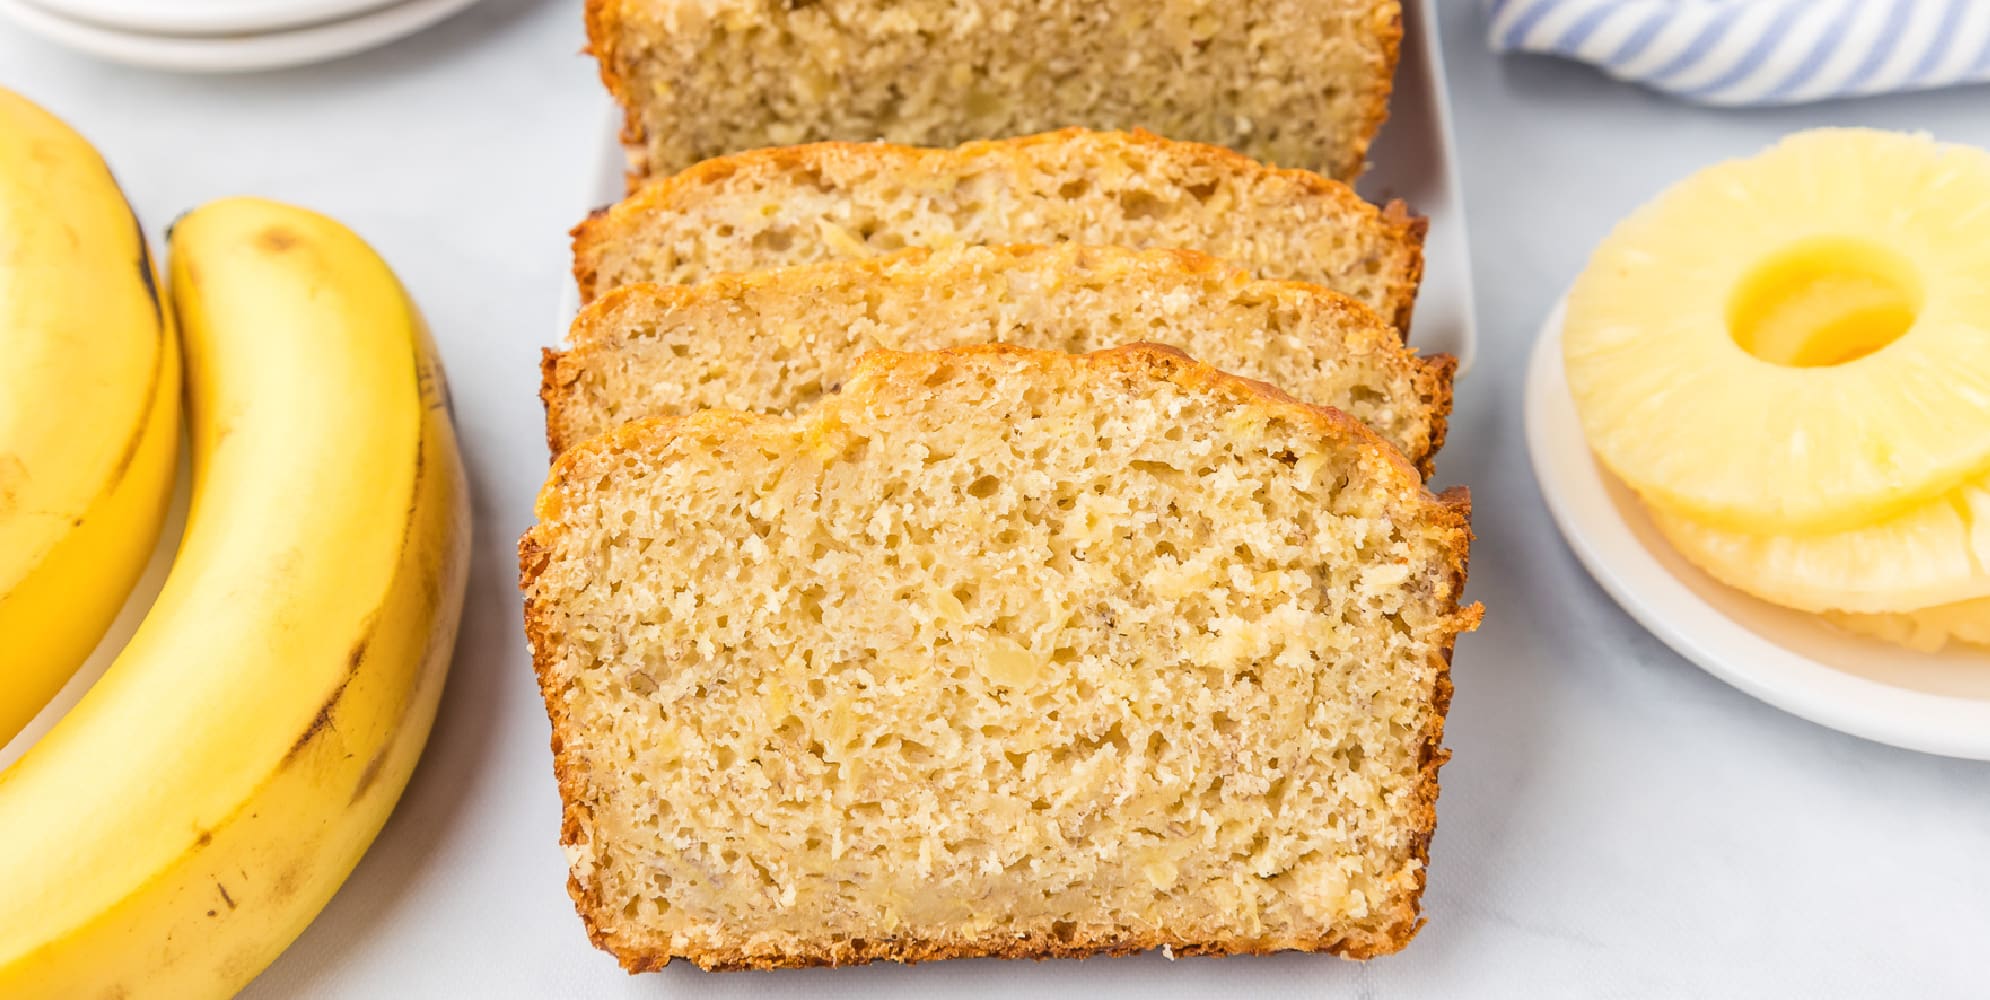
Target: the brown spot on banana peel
(286, 884)
(13, 472)
(230, 900)
(370, 773)
(323, 718)
(430, 377)
(414, 502)
(277, 239)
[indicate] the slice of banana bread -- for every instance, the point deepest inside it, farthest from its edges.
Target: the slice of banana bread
(778, 207)
(779, 341)
(1300, 82)
(997, 652)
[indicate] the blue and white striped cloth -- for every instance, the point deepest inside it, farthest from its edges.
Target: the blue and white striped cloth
(1759, 51)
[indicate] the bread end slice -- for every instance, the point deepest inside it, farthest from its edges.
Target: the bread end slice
(1303, 82)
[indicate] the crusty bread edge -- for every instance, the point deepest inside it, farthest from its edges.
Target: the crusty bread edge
(1410, 231)
(603, 18)
(551, 399)
(1442, 372)
(1403, 228)
(1389, 32)
(1435, 372)
(1451, 510)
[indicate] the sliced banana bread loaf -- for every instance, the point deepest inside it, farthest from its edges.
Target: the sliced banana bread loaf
(1300, 82)
(996, 652)
(778, 207)
(779, 341)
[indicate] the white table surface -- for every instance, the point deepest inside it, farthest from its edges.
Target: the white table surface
(1615, 822)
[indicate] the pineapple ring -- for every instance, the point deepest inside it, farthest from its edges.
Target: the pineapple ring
(1797, 342)
(1937, 553)
(1927, 630)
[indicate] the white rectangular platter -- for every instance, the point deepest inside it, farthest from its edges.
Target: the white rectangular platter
(464, 895)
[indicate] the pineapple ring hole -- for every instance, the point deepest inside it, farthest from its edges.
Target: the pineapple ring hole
(1824, 301)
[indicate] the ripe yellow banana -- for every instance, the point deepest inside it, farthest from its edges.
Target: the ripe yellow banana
(89, 405)
(187, 819)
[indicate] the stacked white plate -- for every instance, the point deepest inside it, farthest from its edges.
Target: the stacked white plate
(225, 36)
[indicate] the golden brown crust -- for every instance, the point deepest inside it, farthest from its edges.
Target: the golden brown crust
(599, 319)
(645, 957)
(1157, 360)
(657, 195)
(550, 379)
(1408, 230)
(532, 559)
(1443, 376)
(604, 19)
(1451, 511)
(1432, 755)
(1388, 16)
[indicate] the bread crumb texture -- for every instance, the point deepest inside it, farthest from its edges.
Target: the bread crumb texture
(781, 341)
(996, 652)
(796, 205)
(1299, 82)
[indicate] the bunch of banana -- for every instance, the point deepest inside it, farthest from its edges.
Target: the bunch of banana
(188, 818)
(89, 406)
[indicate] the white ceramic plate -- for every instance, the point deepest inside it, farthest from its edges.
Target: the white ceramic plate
(206, 17)
(1413, 159)
(1936, 703)
(235, 54)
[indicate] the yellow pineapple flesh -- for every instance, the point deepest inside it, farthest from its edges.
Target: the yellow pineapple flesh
(1797, 343)
(1935, 554)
